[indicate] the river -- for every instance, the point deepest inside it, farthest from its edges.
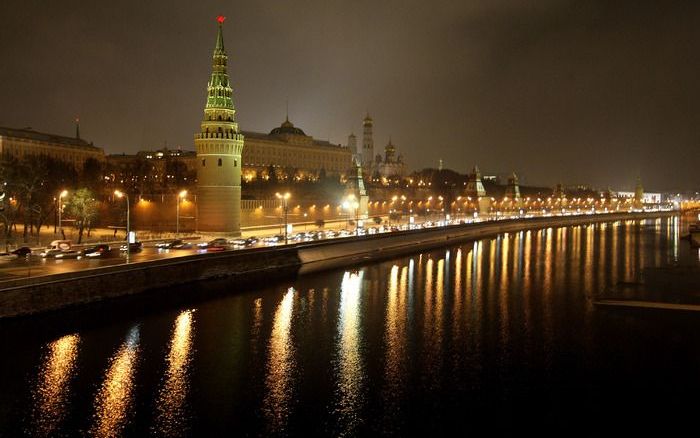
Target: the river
(498, 334)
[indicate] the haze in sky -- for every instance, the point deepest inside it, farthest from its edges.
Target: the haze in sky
(593, 92)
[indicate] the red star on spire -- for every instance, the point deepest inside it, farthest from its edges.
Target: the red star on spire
(221, 19)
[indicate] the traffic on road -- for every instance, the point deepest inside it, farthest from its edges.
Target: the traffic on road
(64, 256)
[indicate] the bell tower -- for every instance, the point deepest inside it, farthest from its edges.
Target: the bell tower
(367, 144)
(219, 147)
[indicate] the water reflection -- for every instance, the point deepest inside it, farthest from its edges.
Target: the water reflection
(349, 367)
(51, 395)
(280, 365)
(395, 336)
(113, 402)
(171, 417)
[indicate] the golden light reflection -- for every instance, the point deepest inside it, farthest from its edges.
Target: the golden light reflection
(503, 294)
(171, 418)
(114, 399)
(280, 365)
(51, 393)
(457, 308)
(395, 332)
(350, 368)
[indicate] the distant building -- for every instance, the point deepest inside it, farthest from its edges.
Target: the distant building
(391, 165)
(157, 165)
(367, 156)
(476, 192)
(646, 197)
(513, 188)
(293, 154)
(22, 143)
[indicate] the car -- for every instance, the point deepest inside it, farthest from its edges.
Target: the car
(50, 252)
(22, 251)
(8, 256)
(218, 244)
(68, 254)
(96, 251)
(56, 247)
(174, 244)
(165, 245)
(133, 247)
(251, 241)
(216, 248)
(237, 243)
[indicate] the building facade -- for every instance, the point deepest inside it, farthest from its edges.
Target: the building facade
(219, 146)
(23, 143)
(292, 154)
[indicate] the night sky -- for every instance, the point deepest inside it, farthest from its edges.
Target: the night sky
(560, 91)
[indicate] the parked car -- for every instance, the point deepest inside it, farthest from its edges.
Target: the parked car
(23, 251)
(97, 251)
(251, 241)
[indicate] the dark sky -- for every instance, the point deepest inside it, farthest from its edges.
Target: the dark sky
(572, 91)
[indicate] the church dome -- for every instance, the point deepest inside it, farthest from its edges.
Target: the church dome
(287, 127)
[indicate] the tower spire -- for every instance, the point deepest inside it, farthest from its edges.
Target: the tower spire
(220, 36)
(77, 127)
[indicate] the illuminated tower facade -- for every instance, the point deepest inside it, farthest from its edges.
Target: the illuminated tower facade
(367, 145)
(475, 190)
(219, 147)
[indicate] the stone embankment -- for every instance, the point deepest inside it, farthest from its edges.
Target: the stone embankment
(51, 292)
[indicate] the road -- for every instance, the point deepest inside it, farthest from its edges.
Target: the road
(35, 265)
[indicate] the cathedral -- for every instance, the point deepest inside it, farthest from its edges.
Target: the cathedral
(376, 167)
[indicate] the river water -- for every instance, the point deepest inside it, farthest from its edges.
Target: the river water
(498, 334)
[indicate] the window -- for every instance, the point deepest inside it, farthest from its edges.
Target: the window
(235, 163)
(204, 162)
(220, 163)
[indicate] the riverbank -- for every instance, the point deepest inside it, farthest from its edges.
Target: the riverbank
(40, 294)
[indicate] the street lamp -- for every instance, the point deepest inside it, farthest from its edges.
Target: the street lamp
(180, 196)
(352, 202)
(284, 199)
(120, 195)
(61, 195)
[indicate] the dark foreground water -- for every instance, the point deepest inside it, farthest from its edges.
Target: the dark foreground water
(496, 335)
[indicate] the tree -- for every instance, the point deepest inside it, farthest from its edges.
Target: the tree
(377, 220)
(83, 207)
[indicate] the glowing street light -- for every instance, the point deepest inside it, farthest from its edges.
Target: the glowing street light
(61, 195)
(351, 202)
(284, 199)
(180, 196)
(120, 194)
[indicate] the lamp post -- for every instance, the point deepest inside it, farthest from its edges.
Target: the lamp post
(120, 195)
(352, 202)
(284, 199)
(61, 195)
(180, 196)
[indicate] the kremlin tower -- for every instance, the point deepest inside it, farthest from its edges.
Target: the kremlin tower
(219, 147)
